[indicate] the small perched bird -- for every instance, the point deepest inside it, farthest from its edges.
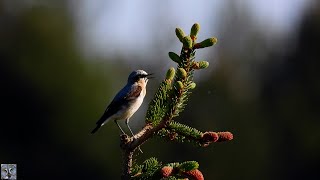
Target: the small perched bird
(127, 101)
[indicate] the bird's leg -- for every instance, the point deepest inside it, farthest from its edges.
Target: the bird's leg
(127, 123)
(119, 127)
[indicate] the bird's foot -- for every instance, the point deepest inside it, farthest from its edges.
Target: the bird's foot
(134, 139)
(140, 149)
(124, 138)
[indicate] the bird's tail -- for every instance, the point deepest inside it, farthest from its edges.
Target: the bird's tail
(95, 129)
(101, 122)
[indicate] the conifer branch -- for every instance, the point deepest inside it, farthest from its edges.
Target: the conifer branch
(153, 169)
(170, 100)
(182, 133)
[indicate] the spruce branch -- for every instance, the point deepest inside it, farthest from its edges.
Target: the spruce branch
(168, 102)
(153, 169)
(181, 133)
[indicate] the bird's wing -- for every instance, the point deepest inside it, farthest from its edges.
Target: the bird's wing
(120, 100)
(134, 93)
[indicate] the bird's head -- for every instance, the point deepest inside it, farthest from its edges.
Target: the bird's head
(139, 75)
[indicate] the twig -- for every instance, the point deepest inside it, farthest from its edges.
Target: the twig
(129, 145)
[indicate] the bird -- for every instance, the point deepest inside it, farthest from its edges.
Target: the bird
(126, 102)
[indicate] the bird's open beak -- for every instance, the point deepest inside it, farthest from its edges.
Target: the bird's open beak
(149, 76)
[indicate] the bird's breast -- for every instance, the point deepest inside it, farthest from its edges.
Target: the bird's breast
(132, 106)
(135, 104)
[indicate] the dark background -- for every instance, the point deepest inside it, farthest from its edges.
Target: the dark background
(264, 89)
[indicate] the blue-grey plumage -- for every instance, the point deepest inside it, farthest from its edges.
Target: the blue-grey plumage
(127, 101)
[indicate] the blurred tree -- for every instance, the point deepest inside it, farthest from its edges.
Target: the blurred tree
(267, 91)
(46, 85)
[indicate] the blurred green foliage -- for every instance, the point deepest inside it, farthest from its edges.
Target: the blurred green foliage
(51, 96)
(50, 99)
